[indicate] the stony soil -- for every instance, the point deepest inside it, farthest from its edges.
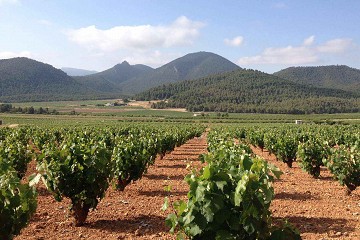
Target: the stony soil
(317, 207)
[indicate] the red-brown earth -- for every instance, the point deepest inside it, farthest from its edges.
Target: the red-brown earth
(317, 207)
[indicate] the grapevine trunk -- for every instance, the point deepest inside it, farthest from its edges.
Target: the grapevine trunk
(79, 212)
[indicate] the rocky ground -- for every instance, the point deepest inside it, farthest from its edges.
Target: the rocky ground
(317, 207)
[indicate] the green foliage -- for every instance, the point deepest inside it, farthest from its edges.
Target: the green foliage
(229, 198)
(252, 92)
(17, 201)
(14, 148)
(190, 66)
(337, 77)
(111, 80)
(344, 163)
(311, 154)
(78, 168)
(132, 156)
(23, 79)
(286, 148)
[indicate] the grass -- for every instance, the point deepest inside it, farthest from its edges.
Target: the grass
(93, 112)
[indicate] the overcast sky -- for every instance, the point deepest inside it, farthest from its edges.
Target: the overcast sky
(265, 35)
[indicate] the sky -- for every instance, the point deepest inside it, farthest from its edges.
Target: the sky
(260, 34)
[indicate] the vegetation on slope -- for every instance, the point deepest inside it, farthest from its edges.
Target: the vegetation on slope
(251, 91)
(190, 66)
(23, 79)
(337, 77)
(111, 79)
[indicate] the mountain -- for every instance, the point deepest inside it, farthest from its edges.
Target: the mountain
(251, 91)
(190, 66)
(111, 79)
(24, 79)
(337, 77)
(77, 72)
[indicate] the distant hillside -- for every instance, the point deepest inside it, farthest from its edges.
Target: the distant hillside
(251, 91)
(23, 79)
(111, 79)
(337, 77)
(190, 66)
(77, 72)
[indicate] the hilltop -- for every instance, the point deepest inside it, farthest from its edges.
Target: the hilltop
(335, 76)
(251, 91)
(129, 79)
(24, 79)
(111, 80)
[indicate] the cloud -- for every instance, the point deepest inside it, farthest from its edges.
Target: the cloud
(235, 42)
(6, 55)
(181, 32)
(309, 41)
(294, 55)
(154, 58)
(335, 46)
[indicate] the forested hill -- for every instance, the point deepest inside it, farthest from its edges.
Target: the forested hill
(23, 79)
(190, 66)
(337, 77)
(251, 91)
(111, 80)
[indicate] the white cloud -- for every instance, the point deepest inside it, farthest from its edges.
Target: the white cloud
(182, 31)
(294, 55)
(309, 41)
(335, 46)
(151, 58)
(235, 42)
(6, 55)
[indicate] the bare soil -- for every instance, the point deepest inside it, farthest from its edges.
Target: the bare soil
(319, 207)
(132, 214)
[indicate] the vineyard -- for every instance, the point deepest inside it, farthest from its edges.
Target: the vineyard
(167, 181)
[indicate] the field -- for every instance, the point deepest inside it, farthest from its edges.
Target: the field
(317, 206)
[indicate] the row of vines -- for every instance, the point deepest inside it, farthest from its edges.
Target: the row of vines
(335, 147)
(76, 163)
(229, 197)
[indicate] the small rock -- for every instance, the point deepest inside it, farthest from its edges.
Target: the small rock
(338, 234)
(355, 213)
(61, 207)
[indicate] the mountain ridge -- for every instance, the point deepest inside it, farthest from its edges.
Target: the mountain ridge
(250, 91)
(26, 79)
(332, 76)
(129, 79)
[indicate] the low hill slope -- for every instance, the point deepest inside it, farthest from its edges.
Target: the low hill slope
(190, 66)
(251, 91)
(111, 79)
(337, 77)
(23, 79)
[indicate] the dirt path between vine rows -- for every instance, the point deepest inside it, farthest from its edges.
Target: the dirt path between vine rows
(319, 208)
(132, 214)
